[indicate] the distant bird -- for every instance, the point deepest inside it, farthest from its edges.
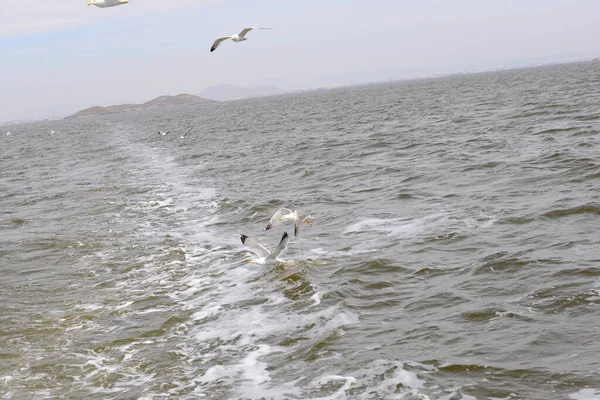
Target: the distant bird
(265, 257)
(286, 214)
(183, 137)
(8, 133)
(240, 37)
(107, 3)
(163, 133)
(51, 132)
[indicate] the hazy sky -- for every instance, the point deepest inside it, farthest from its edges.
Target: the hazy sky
(59, 56)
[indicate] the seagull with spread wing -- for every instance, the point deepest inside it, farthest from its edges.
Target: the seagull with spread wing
(284, 214)
(265, 257)
(185, 134)
(107, 3)
(240, 37)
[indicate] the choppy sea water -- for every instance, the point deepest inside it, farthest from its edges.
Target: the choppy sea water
(455, 251)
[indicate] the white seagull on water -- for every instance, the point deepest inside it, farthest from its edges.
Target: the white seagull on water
(240, 37)
(265, 257)
(286, 214)
(183, 137)
(107, 3)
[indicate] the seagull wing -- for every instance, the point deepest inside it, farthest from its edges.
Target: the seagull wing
(300, 218)
(281, 247)
(218, 42)
(189, 130)
(255, 247)
(276, 218)
(245, 31)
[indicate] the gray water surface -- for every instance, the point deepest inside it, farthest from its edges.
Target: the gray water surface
(454, 254)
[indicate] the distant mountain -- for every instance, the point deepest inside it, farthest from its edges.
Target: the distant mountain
(231, 92)
(159, 102)
(179, 100)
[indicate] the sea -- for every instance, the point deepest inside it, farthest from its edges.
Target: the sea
(454, 252)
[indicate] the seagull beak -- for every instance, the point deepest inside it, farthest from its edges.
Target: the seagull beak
(90, 3)
(281, 219)
(250, 261)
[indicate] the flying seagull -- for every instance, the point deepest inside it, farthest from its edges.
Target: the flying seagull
(185, 134)
(265, 257)
(107, 3)
(240, 37)
(286, 214)
(163, 133)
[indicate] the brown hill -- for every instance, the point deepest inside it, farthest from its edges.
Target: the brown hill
(159, 102)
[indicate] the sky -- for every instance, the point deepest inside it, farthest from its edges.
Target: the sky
(61, 56)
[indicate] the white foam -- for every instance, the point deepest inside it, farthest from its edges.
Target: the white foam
(341, 319)
(594, 292)
(227, 313)
(85, 325)
(249, 375)
(586, 394)
(316, 299)
(234, 314)
(341, 392)
(454, 392)
(383, 378)
(436, 223)
(250, 369)
(394, 225)
(87, 307)
(408, 379)
(150, 311)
